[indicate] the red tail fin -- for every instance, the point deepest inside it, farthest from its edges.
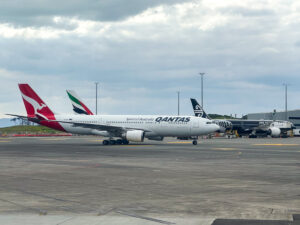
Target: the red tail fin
(34, 105)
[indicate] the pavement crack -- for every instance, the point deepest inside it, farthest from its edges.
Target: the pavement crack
(143, 217)
(65, 220)
(106, 212)
(41, 212)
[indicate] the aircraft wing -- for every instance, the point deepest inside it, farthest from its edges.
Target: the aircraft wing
(20, 116)
(101, 127)
(33, 119)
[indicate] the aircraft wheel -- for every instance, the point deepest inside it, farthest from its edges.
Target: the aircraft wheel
(195, 142)
(119, 142)
(105, 142)
(125, 142)
(112, 142)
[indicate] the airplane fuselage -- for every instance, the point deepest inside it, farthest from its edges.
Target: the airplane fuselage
(174, 126)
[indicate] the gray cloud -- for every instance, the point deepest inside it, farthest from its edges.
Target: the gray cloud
(247, 12)
(37, 13)
(140, 65)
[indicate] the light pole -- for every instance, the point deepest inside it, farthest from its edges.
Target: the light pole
(96, 83)
(178, 103)
(201, 74)
(286, 113)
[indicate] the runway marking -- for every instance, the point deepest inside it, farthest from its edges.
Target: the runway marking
(276, 144)
(224, 149)
(54, 139)
(179, 142)
(124, 145)
(135, 145)
(4, 141)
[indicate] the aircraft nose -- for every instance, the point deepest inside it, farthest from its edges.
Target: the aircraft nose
(215, 127)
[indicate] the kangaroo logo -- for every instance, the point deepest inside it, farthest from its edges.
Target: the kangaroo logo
(198, 110)
(36, 106)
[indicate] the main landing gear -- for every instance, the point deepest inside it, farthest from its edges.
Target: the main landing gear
(115, 142)
(195, 142)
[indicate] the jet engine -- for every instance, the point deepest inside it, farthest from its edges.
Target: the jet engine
(274, 131)
(156, 138)
(135, 135)
(101, 133)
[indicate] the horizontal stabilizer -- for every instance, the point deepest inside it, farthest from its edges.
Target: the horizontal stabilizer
(32, 119)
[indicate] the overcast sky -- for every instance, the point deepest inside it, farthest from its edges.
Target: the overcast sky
(143, 52)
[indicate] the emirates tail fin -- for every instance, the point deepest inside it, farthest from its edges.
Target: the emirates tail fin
(78, 106)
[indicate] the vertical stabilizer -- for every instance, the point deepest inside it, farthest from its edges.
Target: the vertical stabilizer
(198, 110)
(78, 106)
(34, 105)
(36, 108)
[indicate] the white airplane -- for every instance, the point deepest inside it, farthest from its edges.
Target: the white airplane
(252, 128)
(123, 127)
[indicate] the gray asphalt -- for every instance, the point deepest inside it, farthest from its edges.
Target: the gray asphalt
(158, 182)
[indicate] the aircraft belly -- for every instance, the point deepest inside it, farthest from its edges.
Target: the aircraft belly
(196, 132)
(171, 130)
(199, 131)
(76, 130)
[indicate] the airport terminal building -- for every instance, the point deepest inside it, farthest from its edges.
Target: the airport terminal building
(292, 115)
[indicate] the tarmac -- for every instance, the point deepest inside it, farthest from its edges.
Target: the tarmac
(77, 180)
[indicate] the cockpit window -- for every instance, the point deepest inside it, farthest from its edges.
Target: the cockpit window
(208, 122)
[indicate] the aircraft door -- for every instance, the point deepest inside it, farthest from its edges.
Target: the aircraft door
(196, 124)
(195, 127)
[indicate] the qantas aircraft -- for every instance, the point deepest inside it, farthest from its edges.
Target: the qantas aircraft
(123, 128)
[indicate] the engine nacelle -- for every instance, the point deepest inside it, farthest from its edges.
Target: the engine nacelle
(135, 135)
(274, 131)
(156, 138)
(100, 133)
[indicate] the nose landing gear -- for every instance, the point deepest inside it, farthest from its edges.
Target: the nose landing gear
(195, 142)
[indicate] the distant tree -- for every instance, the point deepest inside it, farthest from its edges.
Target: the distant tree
(245, 117)
(14, 120)
(22, 121)
(19, 121)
